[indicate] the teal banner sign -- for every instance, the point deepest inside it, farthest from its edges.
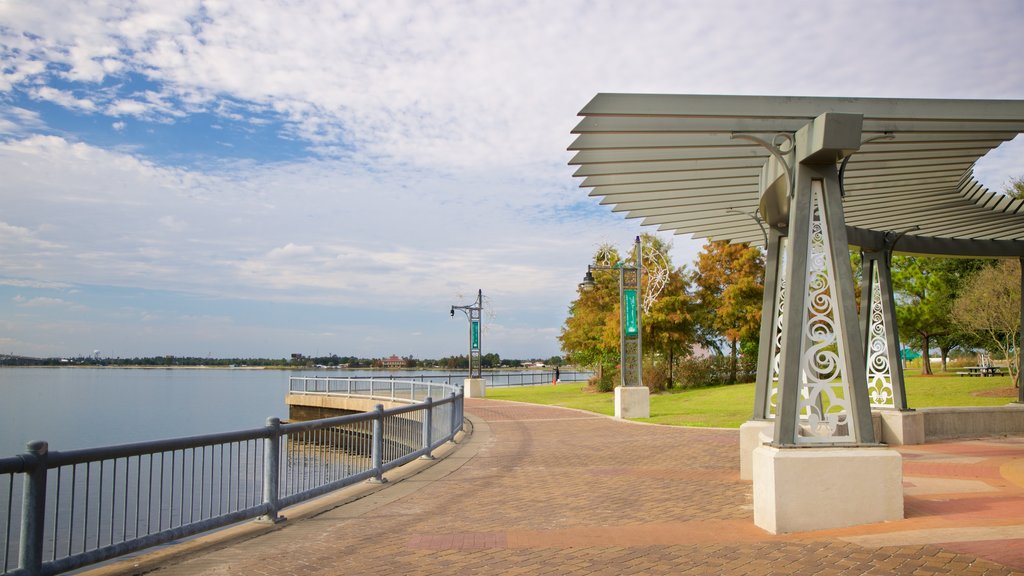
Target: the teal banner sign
(629, 301)
(474, 335)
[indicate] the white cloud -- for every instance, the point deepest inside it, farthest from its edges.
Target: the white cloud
(318, 232)
(437, 134)
(20, 283)
(63, 98)
(478, 84)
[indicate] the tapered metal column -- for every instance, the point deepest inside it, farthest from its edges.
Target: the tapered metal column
(822, 360)
(880, 333)
(771, 307)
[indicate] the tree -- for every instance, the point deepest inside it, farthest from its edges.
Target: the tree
(990, 306)
(730, 284)
(1015, 188)
(669, 328)
(590, 335)
(490, 360)
(925, 289)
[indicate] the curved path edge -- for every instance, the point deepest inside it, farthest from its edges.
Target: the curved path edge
(358, 499)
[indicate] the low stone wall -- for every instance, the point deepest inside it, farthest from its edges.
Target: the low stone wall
(333, 405)
(973, 422)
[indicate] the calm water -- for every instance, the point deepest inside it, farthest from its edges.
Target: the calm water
(85, 407)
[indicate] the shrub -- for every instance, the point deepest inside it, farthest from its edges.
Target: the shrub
(604, 380)
(714, 371)
(656, 376)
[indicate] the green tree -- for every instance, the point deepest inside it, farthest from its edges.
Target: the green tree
(490, 360)
(730, 283)
(670, 327)
(925, 290)
(1015, 188)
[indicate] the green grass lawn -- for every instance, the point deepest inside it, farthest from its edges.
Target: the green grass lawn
(730, 406)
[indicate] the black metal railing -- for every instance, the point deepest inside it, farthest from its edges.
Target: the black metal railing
(63, 510)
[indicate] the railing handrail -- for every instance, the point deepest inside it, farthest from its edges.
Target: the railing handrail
(494, 379)
(331, 440)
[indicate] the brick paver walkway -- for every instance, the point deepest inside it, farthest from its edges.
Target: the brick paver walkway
(542, 490)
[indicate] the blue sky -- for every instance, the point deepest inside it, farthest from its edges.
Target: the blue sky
(265, 177)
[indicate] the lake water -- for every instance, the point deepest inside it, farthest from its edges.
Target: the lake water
(86, 407)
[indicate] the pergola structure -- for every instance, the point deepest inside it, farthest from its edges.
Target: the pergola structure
(807, 178)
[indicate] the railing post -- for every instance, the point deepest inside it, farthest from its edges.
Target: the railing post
(428, 427)
(377, 451)
(271, 470)
(455, 414)
(33, 510)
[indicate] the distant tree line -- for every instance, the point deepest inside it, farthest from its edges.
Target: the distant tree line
(295, 361)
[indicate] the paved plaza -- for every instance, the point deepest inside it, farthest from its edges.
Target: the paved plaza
(544, 490)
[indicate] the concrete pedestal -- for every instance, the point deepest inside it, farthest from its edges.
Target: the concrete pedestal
(632, 402)
(753, 433)
(899, 428)
(800, 489)
(474, 387)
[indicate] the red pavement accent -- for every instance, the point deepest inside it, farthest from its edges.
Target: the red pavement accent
(967, 508)
(1006, 552)
(985, 471)
(470, 541)
(987, 448)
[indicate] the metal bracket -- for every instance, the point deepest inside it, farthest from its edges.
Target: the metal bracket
(775, 148)
(846, 160)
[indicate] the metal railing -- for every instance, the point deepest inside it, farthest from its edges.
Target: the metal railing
(499, 380)
(80, 507)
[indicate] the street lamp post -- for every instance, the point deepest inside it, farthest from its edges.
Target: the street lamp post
(631, 396)
(474, 385)
(630, 349)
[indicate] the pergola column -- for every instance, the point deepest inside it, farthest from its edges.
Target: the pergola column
(772, 304)
(823, 471)
(754, 431)
(880, 332)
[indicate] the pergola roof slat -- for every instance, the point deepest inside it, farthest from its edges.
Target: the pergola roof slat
(674, 161)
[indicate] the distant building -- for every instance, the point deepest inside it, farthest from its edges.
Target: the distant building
(393, 362)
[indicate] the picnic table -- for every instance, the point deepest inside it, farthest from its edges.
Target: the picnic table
(980, 371)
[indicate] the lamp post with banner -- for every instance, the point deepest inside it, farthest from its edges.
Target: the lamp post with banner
(631, 396)
(474, 385)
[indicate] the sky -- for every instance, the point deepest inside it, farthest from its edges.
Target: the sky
(256, 178)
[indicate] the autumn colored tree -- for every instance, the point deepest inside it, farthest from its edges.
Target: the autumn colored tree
(730, 283)
(590, 335)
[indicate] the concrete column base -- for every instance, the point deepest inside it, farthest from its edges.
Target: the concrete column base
(800, 489)
(753, 433)
(632, 402)
(474, 387)
(899, 428)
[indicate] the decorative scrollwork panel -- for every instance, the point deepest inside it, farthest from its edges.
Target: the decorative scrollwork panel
(878, 368)
(780, 307)
(825, 384)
